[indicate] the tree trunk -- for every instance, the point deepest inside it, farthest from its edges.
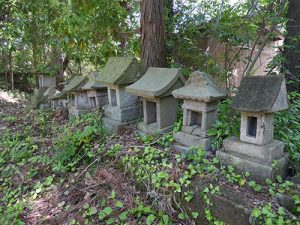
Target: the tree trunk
(11, 72)
(169, 24)
(35, 63)
(153, 34)
(292, 46)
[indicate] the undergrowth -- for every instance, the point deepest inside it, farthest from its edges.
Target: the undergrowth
(104, 179)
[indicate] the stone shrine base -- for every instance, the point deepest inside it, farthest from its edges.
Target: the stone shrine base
(115, 125)
(152, 129)
(192, 140)
(255, 159)
(77, 112)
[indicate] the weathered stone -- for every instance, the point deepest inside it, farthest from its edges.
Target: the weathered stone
(295, 180)
(287, 201)
(229, 206)
(260, 172)
(269, 94)
(200, 106)
(129, 114)
(156, 82)
(260, 131)
(200, 87)
(264, 154)
(198, 132)
(120, 71)
(96, 91)
(189, 129)
(200, 109)
(191, 140)
(46, 81)
(152, 129)
(115, 125)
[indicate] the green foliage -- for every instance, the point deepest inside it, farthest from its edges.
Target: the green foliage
(269, 215)
(227, 124)
(287, 128)
(74, 145)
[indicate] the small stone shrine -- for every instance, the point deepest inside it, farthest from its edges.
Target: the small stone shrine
(77, 98)
(256, 150)
(59, 100)
(123, 108)
(96, 92)
(45, 82)
(49, 93)
(159, 106)
(200, 108)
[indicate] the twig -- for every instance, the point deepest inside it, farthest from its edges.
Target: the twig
(96, 160)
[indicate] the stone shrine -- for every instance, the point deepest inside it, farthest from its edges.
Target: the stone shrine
(77, 98)
(256, 150)
(123, 108)
(159, 106)
(59, 100)
(49, 93)
(96, 92)
(45, 82)
(200, 108)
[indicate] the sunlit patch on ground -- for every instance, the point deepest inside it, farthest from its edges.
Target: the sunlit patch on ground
(11, 97)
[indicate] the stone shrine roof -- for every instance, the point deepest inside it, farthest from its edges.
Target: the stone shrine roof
(200, 87)
(120, 70)
(51, 91)
(61, 95)
(73, 85)
(156, 82)
(261, 94)
(93, 83)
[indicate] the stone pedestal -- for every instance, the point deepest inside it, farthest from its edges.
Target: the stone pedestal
(123, 109)
(256, 159)
(198, 117)
(38, 97)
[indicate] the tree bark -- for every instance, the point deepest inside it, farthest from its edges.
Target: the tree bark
(11, 72)
(292, 46)
(153, 34)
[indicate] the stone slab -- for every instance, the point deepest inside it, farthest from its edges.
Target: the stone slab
(123, 115)
(153, 128)
(77, 112)
(191, 140)
(229, 206)
(114, 125)
(259, 172)
(194, 130)
(264, 154)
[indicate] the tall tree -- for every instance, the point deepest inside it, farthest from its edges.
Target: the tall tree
(292, 45)
(153, 34)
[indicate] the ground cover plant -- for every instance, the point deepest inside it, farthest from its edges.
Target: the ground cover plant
(55, 171)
